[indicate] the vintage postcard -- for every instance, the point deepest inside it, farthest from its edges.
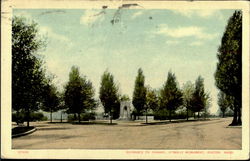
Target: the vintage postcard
(124, 79)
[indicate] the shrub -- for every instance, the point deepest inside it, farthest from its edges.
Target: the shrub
(19, 117)
(164, 115)
(37, 116)
(161, 115)
(84, 117)
(87, 116)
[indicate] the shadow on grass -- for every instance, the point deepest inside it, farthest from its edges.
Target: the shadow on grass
(173, 121)
(21, 131)
(58, 122)
(18, 130)
(54, 128)
(92, 123)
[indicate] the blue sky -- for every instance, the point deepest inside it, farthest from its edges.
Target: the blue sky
(159, 40)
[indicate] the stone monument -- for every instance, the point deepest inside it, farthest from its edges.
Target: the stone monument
(126, 109)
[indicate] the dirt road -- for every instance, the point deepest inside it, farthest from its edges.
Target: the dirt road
(213, 134)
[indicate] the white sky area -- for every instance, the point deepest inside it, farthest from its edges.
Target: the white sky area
(183, 41)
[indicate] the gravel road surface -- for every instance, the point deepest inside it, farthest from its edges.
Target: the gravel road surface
(211, 134)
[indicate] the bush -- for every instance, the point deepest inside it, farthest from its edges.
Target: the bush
(164, 115)
(161, 115)
(84, 117)
(19, 117)
(179, 115)
(38, 116)
(87, 116)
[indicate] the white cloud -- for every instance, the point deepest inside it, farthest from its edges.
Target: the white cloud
(180, 32)
(201, 13)
(196, 43)
(137, 14)
(91, 16)
(45, 30)
(172, 42)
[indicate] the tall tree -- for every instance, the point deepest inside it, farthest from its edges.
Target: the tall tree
(228, 74)
(108, 95)
(28, 76)
(199, 97)
(79, 94)
(188, 91)
(51, 99)
(152, 101)
(171, 96)
(139, 94)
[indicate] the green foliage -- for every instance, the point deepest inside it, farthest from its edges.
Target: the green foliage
(199, 97)
(188, 91)
(139, 94)
(51, 99)
(19, 117)
(84, 117)
(79, 93)
(164, 114)
(28, 76)
(225, 102)
(171, 96)
(228, 75)
(108, 95)
(38, 116)
(161, 114)
(152, 100)
(125, 98)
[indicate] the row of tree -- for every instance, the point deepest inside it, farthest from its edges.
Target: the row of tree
(32, 88)
(79, 95)
(170, 96)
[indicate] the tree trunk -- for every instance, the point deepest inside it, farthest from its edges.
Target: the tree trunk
(170, 115)
(187, 114)
(50, 115)
(234, 122)
(146, 117)
(79, 117)
(74, 116)
(194, 115)
(223, 114)
(61, 116)
(239, 116)
(28, 117)
(198, 115)
(110, 118)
